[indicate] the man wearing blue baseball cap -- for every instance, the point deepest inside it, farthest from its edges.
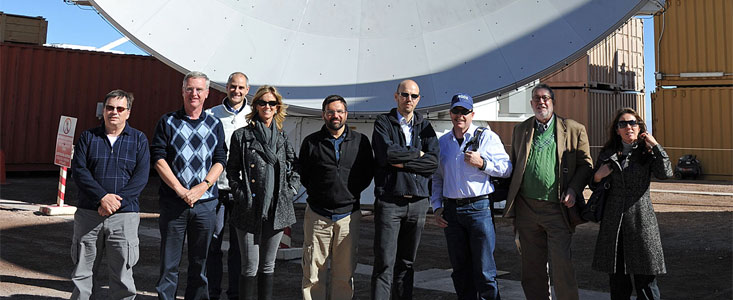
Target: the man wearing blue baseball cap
(469, 156)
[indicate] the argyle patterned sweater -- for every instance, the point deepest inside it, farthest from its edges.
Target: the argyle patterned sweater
(191, 148)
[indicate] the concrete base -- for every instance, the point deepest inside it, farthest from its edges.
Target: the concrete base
(289, 253)
(55, 210)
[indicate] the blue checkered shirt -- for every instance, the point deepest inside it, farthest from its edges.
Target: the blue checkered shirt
(99, 168)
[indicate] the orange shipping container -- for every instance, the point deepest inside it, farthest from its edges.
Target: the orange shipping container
(595, 109)
(694, 38)
(615, 63)
(697, 121)
(39, 84)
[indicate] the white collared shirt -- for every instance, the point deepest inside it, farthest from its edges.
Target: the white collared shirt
(457, 179)
(406, 127)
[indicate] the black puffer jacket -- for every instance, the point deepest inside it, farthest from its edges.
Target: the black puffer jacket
(245, 168)
(390, 148)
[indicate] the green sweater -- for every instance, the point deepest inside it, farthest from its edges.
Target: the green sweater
(540, 177)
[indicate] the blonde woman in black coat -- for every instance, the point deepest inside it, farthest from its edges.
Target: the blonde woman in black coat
(262, 175)
(628, 244)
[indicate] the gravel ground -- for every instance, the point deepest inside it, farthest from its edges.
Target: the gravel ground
(697, 234)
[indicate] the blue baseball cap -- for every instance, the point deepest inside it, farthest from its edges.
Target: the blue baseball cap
(462, 100)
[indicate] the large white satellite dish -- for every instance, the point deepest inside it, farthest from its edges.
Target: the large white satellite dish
(362, 49)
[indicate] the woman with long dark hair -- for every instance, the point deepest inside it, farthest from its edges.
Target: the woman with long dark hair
(628, 242)
(263, 178)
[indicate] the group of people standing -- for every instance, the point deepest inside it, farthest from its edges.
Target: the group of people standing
(233, 164)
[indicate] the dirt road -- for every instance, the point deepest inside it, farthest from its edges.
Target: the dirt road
(697, 235)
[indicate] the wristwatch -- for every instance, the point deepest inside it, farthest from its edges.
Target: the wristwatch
(208, 183)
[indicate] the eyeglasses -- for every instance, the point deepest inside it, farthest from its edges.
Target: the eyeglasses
(119, 109)
(335, 112)
(263, 103)
(406, 95)
(623, 124)
(460, 111)
(544, 98)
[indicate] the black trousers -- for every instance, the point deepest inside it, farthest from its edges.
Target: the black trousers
(398, 226)
(621, 283)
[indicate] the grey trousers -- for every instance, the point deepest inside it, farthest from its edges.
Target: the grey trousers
(259, 251)
(114, 236)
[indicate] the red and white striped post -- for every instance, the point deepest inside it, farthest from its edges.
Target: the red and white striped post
(286, 240)
(63, 156)
(60, 208)
(62, 187)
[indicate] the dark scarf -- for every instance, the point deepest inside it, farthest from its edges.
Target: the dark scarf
(268, 139)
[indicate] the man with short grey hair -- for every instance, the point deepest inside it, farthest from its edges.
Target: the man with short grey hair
(110, 166)
(189, 153)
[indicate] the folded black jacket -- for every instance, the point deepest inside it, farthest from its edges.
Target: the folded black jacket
(390, 148)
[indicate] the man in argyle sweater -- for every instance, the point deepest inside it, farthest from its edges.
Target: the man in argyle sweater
(189, 152)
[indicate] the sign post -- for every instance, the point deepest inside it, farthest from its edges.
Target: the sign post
(64, 153)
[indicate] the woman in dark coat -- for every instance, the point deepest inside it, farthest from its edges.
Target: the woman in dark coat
(628, 242)
(262, 176)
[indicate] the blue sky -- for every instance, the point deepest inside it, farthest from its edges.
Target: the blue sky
(80, 25)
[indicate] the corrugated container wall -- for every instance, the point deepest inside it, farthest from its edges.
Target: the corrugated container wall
(697, 121)
(595, 109)
(602, 107)
(696, 37)
(504, 130)
(39, 84)
(615, 63)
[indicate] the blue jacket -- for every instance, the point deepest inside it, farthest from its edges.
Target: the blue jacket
(390, 148)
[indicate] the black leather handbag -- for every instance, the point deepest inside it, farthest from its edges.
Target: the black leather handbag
(593, 210)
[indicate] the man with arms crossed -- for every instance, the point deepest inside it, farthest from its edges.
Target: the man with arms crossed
(460, 200)
(110, 166)
(336, 166)
(406, 153)
(189, 153)
(552, 164)
(232, 112)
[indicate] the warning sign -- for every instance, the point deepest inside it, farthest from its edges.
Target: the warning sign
(65, 141)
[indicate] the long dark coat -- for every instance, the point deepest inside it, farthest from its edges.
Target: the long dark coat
(246, 171)
(629, 210)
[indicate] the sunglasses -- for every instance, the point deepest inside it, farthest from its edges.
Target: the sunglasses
(119, 109)
(263, 103)
(623, 124)
(460, 111)
(413, 96)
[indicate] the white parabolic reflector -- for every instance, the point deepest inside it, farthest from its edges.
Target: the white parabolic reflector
(362, 49)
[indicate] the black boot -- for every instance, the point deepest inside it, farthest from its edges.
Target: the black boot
(247, 287)
(264, 286)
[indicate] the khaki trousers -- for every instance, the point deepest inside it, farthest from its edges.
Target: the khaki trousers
(335, 240)
(543, 234)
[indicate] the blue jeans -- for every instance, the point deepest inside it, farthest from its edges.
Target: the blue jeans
(177, 223)
(471, 241)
